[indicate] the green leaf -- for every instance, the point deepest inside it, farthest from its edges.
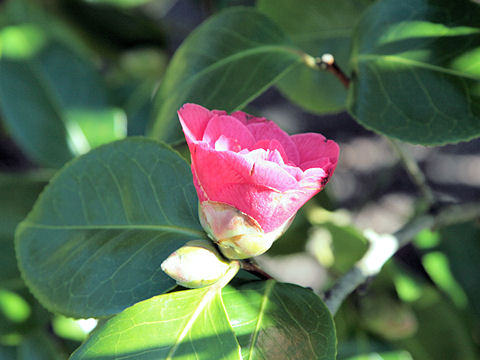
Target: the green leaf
(95, 239)
(17, 195)
(317, 27)
(442, 331)
(121, 3)
(48, 96)
(38, 346)
(19, 86)
(8, 352)
(460, 244)
(280, 321)
(224, 64)
(189, 324)
(390, 355)
(270, 320)
(416, 70)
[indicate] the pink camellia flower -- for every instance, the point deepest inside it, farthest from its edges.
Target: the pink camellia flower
(251, 177)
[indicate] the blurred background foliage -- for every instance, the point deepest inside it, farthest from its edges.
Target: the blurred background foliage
(75, 74)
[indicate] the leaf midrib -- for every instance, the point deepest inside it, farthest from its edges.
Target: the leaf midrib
(231, 59)
(268, 290)
(168, 228)
(414, 63)
(204, 301)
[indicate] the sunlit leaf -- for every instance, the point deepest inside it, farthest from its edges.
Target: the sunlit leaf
(268, 319)
(416, 70)
(189, 324)
(94, 241)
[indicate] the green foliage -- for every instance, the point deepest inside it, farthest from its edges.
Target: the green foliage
(76, 75)
(261, 320)
(95, 239)
(62, 89)
(241, 54)
(14, 206)
(325, 27)
(461, 246)
(415, 70)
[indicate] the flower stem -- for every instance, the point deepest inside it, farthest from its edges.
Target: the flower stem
(253, 268)
(382, 248)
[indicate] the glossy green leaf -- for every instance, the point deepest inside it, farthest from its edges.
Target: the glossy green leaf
(280, 321)
(96, 237)
(270, 321)
(189, 324)
(317, 27)
(416, 70)
(48, 95)
(224, 64)
(17, 195)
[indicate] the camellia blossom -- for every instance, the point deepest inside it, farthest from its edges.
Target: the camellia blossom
(251, 177)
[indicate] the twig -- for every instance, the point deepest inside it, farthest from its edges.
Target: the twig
(414, 171)
(382, 248)
(327, 62)
(250, 266)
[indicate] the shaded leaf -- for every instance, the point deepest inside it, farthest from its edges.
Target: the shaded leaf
(317, 27)
(280, 321)
(94, 241)
(441, 333)
(224, 64)
(63, 92)
(8, 352)
(415, 70)
(17, 195)
(460, 244)
(38, 346)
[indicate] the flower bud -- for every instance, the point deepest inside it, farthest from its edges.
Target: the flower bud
(196, 264)
(237, 235)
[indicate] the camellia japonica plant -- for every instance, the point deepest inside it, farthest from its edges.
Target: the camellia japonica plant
(154, 181)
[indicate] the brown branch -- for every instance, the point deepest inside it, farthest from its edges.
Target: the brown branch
(327, 62)
(382, 247)
(253, 268)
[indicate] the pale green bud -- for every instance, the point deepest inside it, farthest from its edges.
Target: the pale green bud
(196, 264)
(237, 235)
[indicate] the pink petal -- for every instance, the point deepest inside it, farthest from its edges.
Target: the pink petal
(216, 169)
(272, 145)
(312, 146)
(269, 130)
(194, 119)
(270, 209)
(231, 128)
(247, 118)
